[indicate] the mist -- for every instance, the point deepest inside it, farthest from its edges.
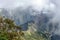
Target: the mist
(56, 18)
(49, 5)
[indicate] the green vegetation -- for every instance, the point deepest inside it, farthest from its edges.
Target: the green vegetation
(35, 35)
(10, 31)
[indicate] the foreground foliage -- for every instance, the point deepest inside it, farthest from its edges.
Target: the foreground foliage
(9, 30)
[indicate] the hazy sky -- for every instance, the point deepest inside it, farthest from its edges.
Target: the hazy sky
(17, 3)
(36, 4)
(12, 3)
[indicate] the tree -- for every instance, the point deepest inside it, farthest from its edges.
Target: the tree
(9, 30)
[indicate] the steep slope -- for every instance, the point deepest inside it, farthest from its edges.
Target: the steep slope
(23, 17)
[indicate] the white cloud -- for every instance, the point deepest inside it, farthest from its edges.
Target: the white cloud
(12, 3)
(16, 3)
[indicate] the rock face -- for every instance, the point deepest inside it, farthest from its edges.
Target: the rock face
(55, 37)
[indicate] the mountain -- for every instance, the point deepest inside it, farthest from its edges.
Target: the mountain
(20, 16)
(24, 17)
(55, 37)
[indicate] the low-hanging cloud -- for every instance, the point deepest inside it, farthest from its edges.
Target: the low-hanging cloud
(56, 18)
(52, 5)
(13, 3)
(23, 3)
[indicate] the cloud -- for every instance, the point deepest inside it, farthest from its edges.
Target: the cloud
(12, 3)
(23, 3)
(56, 17)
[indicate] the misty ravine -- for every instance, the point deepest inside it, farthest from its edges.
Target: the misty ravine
(43, 15)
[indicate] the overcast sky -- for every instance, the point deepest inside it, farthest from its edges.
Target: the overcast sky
(16, 3)
(36, 4)
(12, 3)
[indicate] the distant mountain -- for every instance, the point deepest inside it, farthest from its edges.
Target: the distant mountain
(19, 15)
(55, 37)
(24, 17)
(4, 12)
